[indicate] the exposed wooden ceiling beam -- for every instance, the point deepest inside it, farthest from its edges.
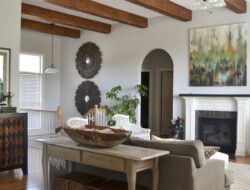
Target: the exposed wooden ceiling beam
(97, 9)
(50, 29)
(238, 6)
(65, 19)
(166, 7)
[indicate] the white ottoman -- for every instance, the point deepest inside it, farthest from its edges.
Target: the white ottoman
(221, 156)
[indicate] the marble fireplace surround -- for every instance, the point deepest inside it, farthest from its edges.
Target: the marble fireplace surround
(218, 102)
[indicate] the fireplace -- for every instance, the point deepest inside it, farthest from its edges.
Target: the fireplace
(220, 103)
(217, 128)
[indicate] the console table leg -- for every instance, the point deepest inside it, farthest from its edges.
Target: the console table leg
(45, 168)
(131, 175)
(70, 165)
(155, 174)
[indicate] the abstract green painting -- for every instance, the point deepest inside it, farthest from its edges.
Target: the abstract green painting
(218, 55)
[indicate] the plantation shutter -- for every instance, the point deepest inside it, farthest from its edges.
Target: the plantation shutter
(30, 91)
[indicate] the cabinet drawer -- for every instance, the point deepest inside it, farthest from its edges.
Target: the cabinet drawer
(64, 153)
(103, 161)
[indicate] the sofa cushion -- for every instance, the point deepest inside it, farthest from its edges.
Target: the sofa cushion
(221, 156)
(192, 148)
(208, 150)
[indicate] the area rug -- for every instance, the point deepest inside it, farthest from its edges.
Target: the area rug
(241, 176)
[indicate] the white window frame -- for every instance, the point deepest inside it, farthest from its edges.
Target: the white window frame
(41, 56)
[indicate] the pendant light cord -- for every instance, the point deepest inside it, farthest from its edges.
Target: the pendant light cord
(52, 69)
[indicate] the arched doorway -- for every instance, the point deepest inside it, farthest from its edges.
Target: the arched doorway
(157, 108)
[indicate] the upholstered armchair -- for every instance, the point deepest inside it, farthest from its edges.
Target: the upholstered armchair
(76, 122)
(122, 121)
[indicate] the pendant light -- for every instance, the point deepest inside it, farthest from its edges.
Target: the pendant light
(52, 69)
(209, 4)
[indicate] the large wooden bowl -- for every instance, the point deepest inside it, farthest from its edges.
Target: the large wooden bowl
(86, 137)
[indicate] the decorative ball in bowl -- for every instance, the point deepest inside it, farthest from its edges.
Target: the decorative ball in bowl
(97, 135)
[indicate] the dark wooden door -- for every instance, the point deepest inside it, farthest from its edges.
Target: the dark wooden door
(166, 101)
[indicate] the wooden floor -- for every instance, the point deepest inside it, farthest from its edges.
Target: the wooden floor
(15, 180)
(34, 181)
(241, 160)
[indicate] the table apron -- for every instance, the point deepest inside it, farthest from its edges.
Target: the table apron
(96, 159)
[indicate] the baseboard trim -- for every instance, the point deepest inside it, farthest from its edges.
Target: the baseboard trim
(241, 153)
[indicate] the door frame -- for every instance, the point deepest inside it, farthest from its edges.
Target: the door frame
(150, 94)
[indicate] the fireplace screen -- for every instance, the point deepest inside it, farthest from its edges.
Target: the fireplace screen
(216, 128)
(216, 131)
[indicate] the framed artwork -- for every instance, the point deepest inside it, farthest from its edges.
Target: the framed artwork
(218, 55)
(5, 54)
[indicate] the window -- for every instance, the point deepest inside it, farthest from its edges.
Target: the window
(30, 68)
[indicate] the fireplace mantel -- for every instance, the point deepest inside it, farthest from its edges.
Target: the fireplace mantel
(214, 95)
(239, 103)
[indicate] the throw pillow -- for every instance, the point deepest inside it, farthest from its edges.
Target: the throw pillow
(155, 138)
(210, 150)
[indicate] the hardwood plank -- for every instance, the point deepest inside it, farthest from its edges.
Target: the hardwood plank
(238, 6)
(50, 29)
(97, 9)
(241, 160)
(65, 19)
(166, 7)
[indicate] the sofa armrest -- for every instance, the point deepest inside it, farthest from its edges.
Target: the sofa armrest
(176, 172)
(210, 177)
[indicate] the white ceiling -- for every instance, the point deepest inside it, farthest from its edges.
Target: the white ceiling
(120, 4)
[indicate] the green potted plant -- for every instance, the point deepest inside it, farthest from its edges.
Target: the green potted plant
(123, 104)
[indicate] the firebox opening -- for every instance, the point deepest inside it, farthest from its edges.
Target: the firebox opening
(217, 128)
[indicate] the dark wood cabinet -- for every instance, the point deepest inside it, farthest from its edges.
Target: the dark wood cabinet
(13, 141)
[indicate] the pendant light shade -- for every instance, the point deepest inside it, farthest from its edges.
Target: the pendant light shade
(209, 4)
(52, 69)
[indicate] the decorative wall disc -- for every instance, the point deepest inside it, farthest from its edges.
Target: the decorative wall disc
(87, 96)
(88, 60)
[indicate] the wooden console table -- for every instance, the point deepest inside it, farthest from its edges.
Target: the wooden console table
(122, 158)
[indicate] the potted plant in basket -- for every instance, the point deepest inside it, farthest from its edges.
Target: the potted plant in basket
(176, 128)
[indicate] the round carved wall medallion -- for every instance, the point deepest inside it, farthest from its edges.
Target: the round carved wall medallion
(88, 60)
(87, 96)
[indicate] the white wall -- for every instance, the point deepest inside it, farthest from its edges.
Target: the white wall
(10, 27)
(40, 43)
(125, 48)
